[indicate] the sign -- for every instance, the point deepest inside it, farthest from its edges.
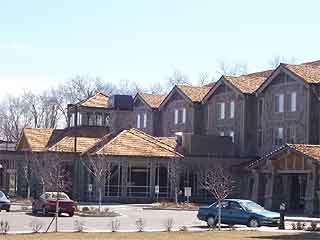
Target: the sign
(156, 189)
(90, 187)
(187, 191)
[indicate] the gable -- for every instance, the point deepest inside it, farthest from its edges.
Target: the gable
(139, 103)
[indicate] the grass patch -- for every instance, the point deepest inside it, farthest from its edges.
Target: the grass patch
(167, 236)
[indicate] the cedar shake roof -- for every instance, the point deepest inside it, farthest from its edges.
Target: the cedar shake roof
(44, 139)
(246, 83)
(195, 94)
(99, 100)
(309, 72)
(133, 142)
(265, 73)
(171, 141)
(313, 63)
(153, 100)
(309, 150)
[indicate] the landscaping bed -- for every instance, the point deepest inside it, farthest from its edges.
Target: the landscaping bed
(173, 205)
(94, 212)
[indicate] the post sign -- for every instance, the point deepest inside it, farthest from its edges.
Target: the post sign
(156, 189)
(187, 191)
(90, 187)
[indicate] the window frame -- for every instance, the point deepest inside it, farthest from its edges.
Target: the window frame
(232, 109)
(221, 108)
(145, 120)
(279, 108)
(293, 102)
(138, 121)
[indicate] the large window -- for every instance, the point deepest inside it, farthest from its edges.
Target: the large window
(144, 120)
(99, 119)
(138, 120)
(79, 119)
(293, 101)
(279, 137)
(232, 109)
(291, 135)
(180, 116)
(71, 120)
(184, 115)
(221, 110)
(176, 116)
(279, 101)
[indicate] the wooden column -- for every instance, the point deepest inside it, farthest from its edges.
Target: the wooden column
(269, 191)
(124, 179)
(255, 191)
(310, 192)
(152, 180)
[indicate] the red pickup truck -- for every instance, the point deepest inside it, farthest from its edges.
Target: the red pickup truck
(46, 204)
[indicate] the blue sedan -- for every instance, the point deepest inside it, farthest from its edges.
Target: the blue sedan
(239, 211)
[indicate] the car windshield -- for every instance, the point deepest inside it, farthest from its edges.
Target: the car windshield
(251, 206)
(1, 194)
(62, 196)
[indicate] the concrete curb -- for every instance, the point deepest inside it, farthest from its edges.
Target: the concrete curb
(170, 209)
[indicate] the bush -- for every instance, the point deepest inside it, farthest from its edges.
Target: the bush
(300, 226)
(183, 229)
(293, 226)
(140, 224)
(85, 209)
(36, 226)
(4, 227)
(313, 227)
(115, 225)
(169, 224)
(78, 225)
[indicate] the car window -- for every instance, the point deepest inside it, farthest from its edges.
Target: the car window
(224, 204)
(1, 194)
(235, 206)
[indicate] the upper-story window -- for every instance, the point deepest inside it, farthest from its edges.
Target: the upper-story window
(293, 101)
(279, 101)
(71, 120)
(180, 116)
(221, 110)
(92, 120)
(138, 121)
(291, 135)
(79, 119)
(99, 120)
(144, 120)
(232, 109)
(260, 108)
(279, 137)
(231, 134)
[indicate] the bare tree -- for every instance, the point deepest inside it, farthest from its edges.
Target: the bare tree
(236, 68)
(176, 78)
(219, 183)
(174, 170)
(100, 167)
(157, 88)
(276, 60)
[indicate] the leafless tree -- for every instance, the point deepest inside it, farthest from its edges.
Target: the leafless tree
(276, 60)
(100, 167)
(157, 88)
(237, 68)
(218, 182)
(174, 170)
(176, 78)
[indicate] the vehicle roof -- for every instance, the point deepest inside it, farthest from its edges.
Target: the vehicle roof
(238, 200)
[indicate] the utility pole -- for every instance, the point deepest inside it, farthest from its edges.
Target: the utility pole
(57, 203)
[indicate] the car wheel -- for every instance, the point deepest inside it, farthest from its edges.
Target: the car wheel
(7, 210)
(71, 214)
(211, 221)
(253, 222)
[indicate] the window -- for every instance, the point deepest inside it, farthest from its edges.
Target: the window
(291, 135)
(279, 101)
(176, 116)
(144, 120)
(221, 110)
(138, 121)
(232, 109)
(92, 120)
(79, 118)
(184, 115)
(293, 102)
(231, 134)
(221, 133)
(260, 138)
(107, 123)
(99, 120)
(279, 137)
(260, 107)
(71, 120)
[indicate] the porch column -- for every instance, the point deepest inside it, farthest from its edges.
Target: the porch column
(124, 180)
(255, 191)
(152, 179)
(269, 191)
(310, 192)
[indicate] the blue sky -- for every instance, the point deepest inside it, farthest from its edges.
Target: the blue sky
(45, 42)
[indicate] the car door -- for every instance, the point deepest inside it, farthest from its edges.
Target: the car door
(237, 214)
(225, 216)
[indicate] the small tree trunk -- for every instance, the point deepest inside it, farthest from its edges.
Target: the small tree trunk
(176, 195)
(28, 191)
(100, 198)
(219, 216)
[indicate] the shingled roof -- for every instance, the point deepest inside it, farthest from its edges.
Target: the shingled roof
(99, 100)
(309, 150)
(153, 100)
(246, 83)
(133, 142)
(309, 72)
(195, 94)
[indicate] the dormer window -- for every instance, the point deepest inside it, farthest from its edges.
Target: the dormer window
(221, 110)
(184, 115)
(144, 120)
(71, 120)
(79, 119)
(279, 101)
(138, 120)
(180, 116)
(176, 116)
(232, 109)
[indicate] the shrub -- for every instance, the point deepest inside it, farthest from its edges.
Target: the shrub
(169, 224)
(293, 226)
(300, 226)
(140, 224)
(85, 209)
(115, 225)
(79, 225)
(4, 227)
(183, 229)
(36, 226)
(313, 227)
